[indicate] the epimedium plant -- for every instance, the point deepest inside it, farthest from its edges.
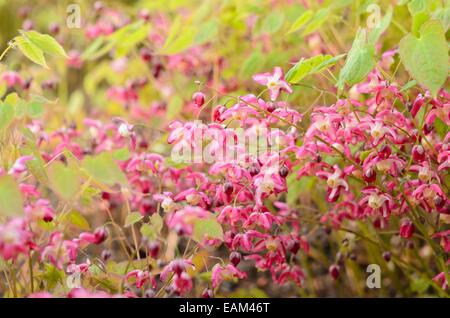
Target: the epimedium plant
(101, 206)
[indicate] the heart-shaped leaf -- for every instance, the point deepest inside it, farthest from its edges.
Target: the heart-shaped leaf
(426, 57)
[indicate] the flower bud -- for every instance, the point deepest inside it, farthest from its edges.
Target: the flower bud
(284, 171)
(235, 258)
(334, 271)
(385, 152)
(154, 248)
(198, 98)
(228, 188)
(418, 153)
(100, 235)
(407, 229)
(369, 175)
(207, 293)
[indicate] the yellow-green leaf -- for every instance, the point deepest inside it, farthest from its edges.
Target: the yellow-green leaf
(11, 202)
(65, 181)
(45, 42)
(301, 21)
(426, 57)
(31, 51)
(207, 228)
(133, 218)
(103, 169)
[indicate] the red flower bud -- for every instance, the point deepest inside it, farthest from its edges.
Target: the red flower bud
(334, 271)
(283, 171)
(407, 229)
(198, 98)
(207, 293)
(369, 175)
(418, 153)
(385, 152)
(235, 258)
(228, 188)
(100, 235)
(154, 248)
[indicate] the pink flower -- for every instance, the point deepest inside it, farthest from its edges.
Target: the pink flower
(441, 280)
(335, 182)
(275, 82)
(182, 284)
(59, 251)
(375, 202)
(445, 240)
(15, 238)
(182, 220)
(177, 267)
(407, 229)
(228, 272)
(12, 78)
(98, 237)
(141, 277)
(20, 165)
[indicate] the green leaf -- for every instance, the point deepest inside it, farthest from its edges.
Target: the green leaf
(6, 115)
(31, 51)
(310, 66)
(418, 20)
(179, 39)
(77, 219)
(64, 181)
(11, 202)
(317, 20)
(121, 154)
(416, 6)
(157, 222)
(36, 165)
(426, 58)
(209, 228)
(148, 231)
(133, 218)
(301, 21)
(97, 49)
(408, 85)
(174, 107)
(360, 61)
(130, 37)
(251, 64)
(272, 23)
(103, 169)
(207, 31)
(443, 15)
(35, 109)
(45, 42)
(52, 275)
(152, 230)
(375, 33)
